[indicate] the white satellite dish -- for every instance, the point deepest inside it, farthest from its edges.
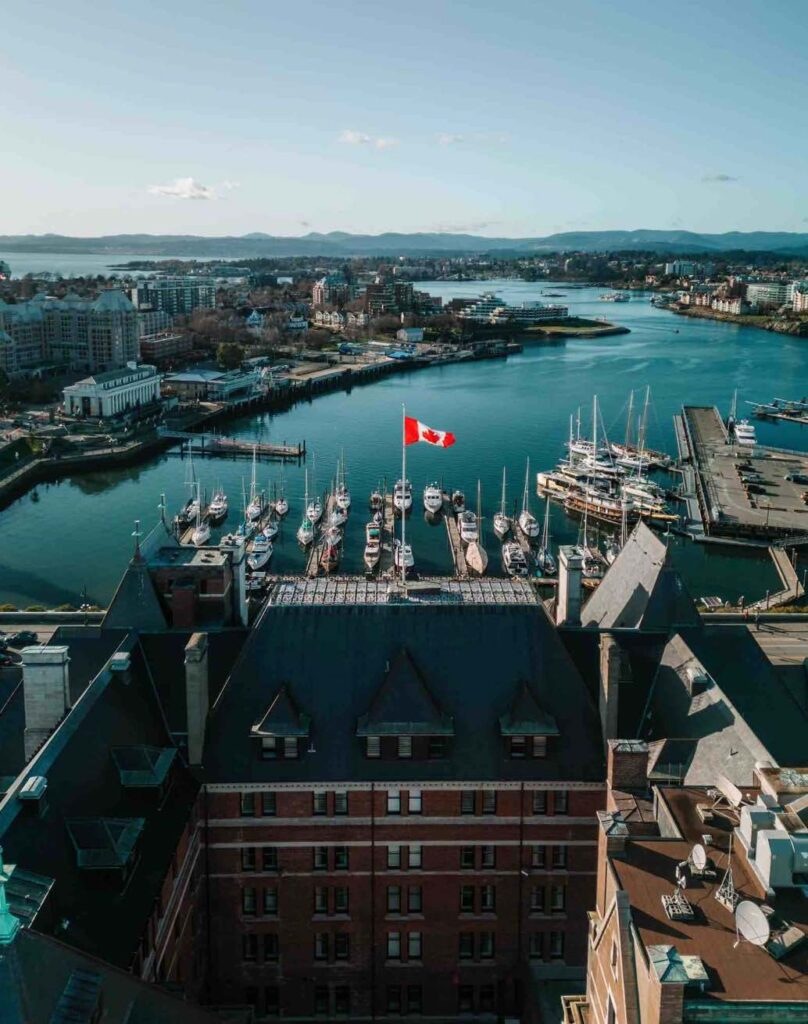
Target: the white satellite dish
(751, 923)
(698, 857)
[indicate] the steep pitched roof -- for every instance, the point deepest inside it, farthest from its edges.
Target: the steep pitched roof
(282, 717)
(403, 705)
(135, 604)
(641, 590)
(113, 301)
(526, 717)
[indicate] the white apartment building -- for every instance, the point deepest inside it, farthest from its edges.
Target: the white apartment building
(115, 393)
(768, 293)
(176, 296)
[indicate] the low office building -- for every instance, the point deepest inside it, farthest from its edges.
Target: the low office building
(115, 393)
(213, 385)
(166, 345)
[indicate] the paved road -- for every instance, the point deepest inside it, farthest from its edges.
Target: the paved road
(783, 644)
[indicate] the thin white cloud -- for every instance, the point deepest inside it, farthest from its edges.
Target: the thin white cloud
(450, 139)
(719, 179)
(349, 137)
(190, 188)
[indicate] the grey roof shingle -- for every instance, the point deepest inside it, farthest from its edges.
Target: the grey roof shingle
(135, 604)
(403, 705)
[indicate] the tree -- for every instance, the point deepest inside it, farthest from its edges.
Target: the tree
(229, 355)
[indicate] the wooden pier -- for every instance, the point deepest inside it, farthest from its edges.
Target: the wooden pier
(386, 566)
(455, 543)
(233, 447)
(316, 548)
(792, 588)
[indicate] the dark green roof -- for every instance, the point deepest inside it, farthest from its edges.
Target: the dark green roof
(282, 718)
(403, 705)
(135, 604)
(526, 717)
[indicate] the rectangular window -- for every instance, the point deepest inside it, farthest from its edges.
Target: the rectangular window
(342, 946)
(436, 748)
(488, 857)
(321, 1000)
(415, 856)
(373, 747)
(272, 1000)
(466, 856)
(465, 999)
(290, 747)
(468, 801)
(341, 802)
(540, 746)
(393, 801)
(271, 948)
(249, 947)
(248, 901)
(485, 945)
(248, 858)
(319, 803)
(556, 945)
(405, 746)
(248, 805)
(393, 899)
(488, 899)
(320, 858)
(539, 857)
(394, 945)
(414, 946)
(558, 898)
(559, 856)
(321, 946)
(518, 746)
(269, 748)
(486, 999)
(535, 945)
(466, 946)
(340, 858)
(341, 899)
(321, 900)
(342, 1001)
(415, 999)
(562, 802)
(269, 805)
(489, 801)
(414, 802)
(269, 856)
(466, 899)
(394, 856)
(271, 900)
(414, 899)
(537, 899)
(539, 801)
(394, 999)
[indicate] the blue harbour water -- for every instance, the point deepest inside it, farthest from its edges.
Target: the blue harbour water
(76, 534)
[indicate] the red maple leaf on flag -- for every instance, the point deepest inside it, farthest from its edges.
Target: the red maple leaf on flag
(430, 435)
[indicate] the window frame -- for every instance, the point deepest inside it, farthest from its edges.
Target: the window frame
(394, 801)
(415, 801)
(404, 747)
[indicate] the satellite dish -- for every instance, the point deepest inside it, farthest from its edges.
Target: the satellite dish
(751, 923)
(698, 857)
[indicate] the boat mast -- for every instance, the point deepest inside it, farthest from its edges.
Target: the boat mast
(502, 506)
(525, 500)
(403, 492)
(545, 537)
(629, 418)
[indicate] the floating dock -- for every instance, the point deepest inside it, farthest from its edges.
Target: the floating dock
(233, 447)
(455, 543)
(316, 546)
(792, 588)
(739, 493)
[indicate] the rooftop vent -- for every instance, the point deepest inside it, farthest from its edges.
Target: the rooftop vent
(34, 788)
(697, 680)
(120, 661)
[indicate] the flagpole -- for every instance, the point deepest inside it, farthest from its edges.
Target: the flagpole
(403, 486)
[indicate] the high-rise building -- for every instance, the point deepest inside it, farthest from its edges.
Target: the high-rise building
(177, 296)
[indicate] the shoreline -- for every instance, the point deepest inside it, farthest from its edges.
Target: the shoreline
(794, 329)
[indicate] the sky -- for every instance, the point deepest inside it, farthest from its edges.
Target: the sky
(520, 118)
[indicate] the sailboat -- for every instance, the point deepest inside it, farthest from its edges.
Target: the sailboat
(502, 522)
(544, 559)
(255, 505)
(339, 513)
(217, 510)
(188, 512)
(527, 521)
(314, 508)
(305, 532)
(343, 495)
(281, 503)
(329, 557)
(476, 555)
(201, 534)
(260, 553)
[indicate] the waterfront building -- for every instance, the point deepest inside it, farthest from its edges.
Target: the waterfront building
(389, 296)
(122, 392)
(410, 335)
(213, 385)
(175, 296)
(681, 268)
(79, 334)
(675, 863)
(731, 304)
(492, 309)
(768, 294)
(800, 297)
(156, 348)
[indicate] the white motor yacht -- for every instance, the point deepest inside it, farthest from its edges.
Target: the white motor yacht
(261, 552)
(373, 544)
(402, 496)
(467, 522)
(217, 510)
(745, 433)
(433, 499)
(270, 530)
(458, 502)
(281, 507)
(513, 559)
(408, 559)
(376, 501)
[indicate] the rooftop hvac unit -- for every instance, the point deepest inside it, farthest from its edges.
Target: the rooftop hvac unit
(697, 680)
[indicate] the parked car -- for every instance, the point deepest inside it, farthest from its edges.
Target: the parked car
(797, 478)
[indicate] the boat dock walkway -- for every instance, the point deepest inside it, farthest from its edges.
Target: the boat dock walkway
(792, 588)
(455, 543)
(385, 566)
(237, 448)
(316, 547)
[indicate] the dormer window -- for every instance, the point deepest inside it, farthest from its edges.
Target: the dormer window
(269, 748)
(518, 746)
(540, 746)
(290, 748)
(405, 746)
(281, 728)
(373, 746)
(526, 726)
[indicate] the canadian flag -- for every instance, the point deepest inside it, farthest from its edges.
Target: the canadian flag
(415, 431)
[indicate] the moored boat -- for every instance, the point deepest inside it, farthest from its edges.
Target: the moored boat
(433, 499)
(402, 496)
(513, 559)
(528, 523)
(502, 521)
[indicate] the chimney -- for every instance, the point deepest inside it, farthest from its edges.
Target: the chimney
(568, 602)
(614, 671)
(46, 691)
(237, 546)
(627, 764)
(196, 694)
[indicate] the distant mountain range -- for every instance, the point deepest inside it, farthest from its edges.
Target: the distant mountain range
(341, 243)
